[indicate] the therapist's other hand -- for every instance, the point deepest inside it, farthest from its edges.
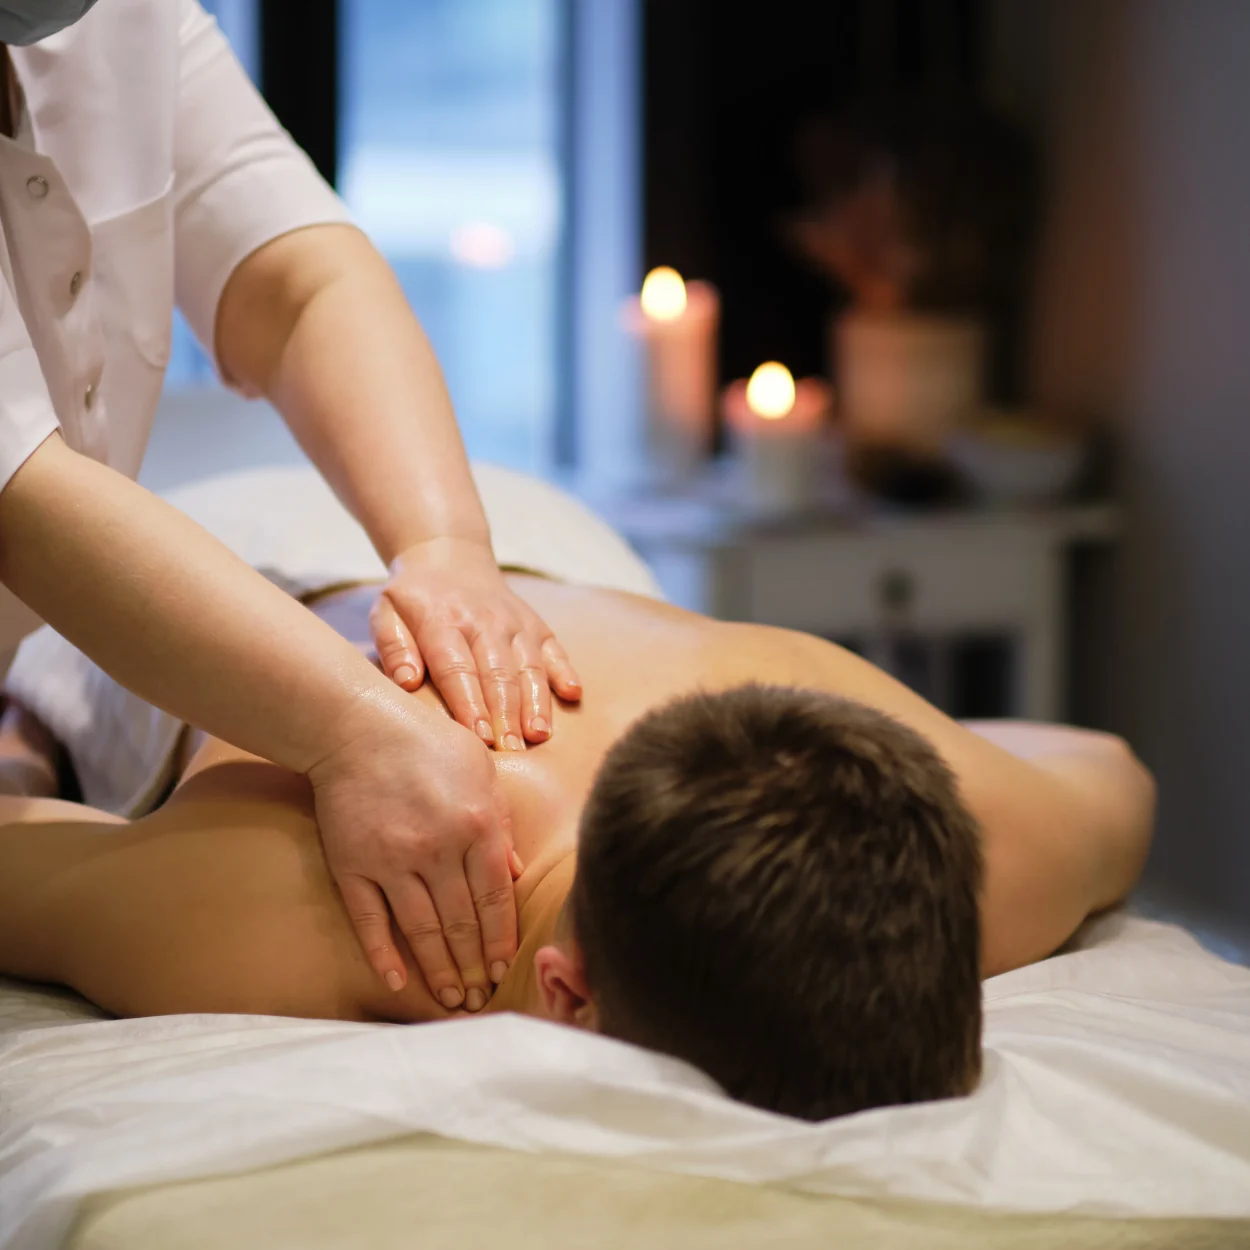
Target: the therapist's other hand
(414, 825)
(447, 611)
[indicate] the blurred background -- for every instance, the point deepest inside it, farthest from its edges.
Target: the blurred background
(1000, 244)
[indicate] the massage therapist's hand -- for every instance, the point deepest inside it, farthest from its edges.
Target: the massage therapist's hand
(411, 817)
(447, 611)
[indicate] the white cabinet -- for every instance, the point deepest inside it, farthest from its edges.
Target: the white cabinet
(891, 584)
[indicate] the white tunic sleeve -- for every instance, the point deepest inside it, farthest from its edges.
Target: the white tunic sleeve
(239, 178)
(27, 416)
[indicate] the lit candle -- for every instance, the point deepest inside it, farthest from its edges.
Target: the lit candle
(775, 428)
(677, 324)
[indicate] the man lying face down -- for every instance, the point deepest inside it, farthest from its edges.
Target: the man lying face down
(794, 886)
(780, 887)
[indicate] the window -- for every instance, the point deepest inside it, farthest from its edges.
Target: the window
(449, 125)
(448, 142)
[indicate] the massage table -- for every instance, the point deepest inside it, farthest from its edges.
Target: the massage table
(1114, 1110)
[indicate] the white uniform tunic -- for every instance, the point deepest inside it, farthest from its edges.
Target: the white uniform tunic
(145, 167)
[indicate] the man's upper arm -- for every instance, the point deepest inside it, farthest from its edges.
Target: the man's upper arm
(1065, 831)
(1065, 814)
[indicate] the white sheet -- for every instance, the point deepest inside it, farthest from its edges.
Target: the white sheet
(1117, 1081)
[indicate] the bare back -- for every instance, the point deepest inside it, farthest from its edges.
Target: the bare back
(633, 654)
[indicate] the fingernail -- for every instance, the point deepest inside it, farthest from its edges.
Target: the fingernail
(451, 998)
(539, 725)
(485, 732)
(404, 674)
(498, 970)
(512, 743)
(517, 867)
(476, 1000)
(394, 980)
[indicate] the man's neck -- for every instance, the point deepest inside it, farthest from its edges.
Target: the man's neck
(537, 921)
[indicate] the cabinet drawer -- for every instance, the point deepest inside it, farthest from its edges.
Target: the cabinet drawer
(836, 583)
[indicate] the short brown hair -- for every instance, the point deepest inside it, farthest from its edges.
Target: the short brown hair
(781, 887)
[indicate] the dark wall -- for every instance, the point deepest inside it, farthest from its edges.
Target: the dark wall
(727, 86)
(1144, 303)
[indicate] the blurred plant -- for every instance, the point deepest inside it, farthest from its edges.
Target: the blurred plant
(924, 203)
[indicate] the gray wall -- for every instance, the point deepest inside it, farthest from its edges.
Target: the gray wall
(1143, 318)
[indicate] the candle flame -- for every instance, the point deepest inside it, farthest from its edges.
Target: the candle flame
(770, 392)
(664, 295)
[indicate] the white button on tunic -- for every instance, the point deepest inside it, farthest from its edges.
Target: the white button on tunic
(145, 168)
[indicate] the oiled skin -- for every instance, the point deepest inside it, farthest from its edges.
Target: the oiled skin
(221, 901)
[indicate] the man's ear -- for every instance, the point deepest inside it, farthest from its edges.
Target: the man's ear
(561, 977)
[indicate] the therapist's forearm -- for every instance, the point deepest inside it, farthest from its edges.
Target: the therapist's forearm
(317, 323)
(173, 615)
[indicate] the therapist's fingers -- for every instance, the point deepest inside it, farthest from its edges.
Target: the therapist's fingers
(489, 873)
(560, 672)
(534, 691)
(503, 819)
(462, 933)
(372, 921)
(454, 670)
(418, 920)
(497, 671)
(394, 643)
